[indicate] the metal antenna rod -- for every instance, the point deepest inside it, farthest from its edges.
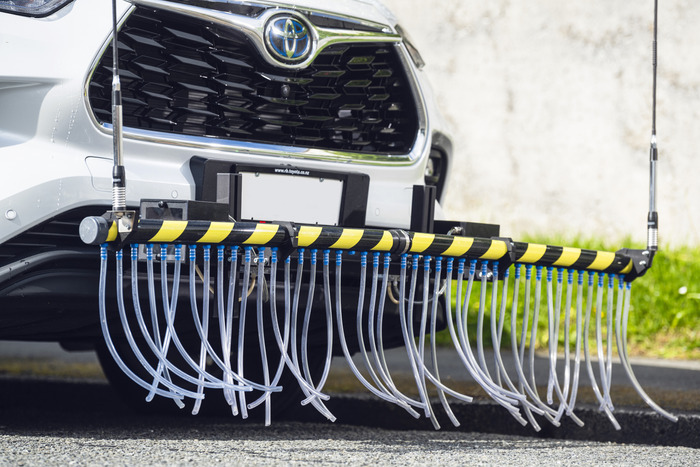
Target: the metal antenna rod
(118, 171)
(653, 217)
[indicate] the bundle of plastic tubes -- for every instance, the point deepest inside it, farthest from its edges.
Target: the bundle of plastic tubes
(573, 291)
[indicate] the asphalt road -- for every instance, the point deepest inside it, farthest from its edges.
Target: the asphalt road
(84, 423)
(68, 420)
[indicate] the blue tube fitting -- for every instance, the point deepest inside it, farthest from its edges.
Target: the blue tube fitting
(207, 252)
(193, 252)
(247, 250)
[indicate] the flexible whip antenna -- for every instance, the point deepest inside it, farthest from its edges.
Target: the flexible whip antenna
(653, 217)
(118, 171)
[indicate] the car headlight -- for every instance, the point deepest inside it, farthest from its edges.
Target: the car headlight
(32, 7)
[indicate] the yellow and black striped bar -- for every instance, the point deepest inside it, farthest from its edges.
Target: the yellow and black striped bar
(571, 258)
(391, 241)
(206, 232)
(339, 238)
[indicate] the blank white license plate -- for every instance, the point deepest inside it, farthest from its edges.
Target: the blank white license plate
(294, 198)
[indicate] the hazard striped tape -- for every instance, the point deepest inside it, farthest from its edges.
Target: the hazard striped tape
(374, 240)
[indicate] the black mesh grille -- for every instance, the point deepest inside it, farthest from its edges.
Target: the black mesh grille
(187, 76)
(59, 233)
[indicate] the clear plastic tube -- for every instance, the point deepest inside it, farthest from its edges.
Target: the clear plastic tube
(407, 328)
(341, 330)
(210, 380)
(408, 336)
(273, 315)
(533, 329)
(497, 336)
(376, 340)
(482, 310)
(158, 379)
(433, 349)
(554, 314)
(358, 325)
(282, 343)
(496, 332)
(419, 352)
(507, 400)
(380, 335)
(261, 335)
(205, 318)
(420, 356)
(130, 338)
(586, 351)
(329, 330)
(105, 328)
(291, 309)
(164, 344)
(602, 362)
(579, 336)
(226, 328)
(554, 338)
(621, 336)
(567, 344)
(503, 397)
(216, 382)
(519, 348)
(241, 326)
(609, 338)
(295, 313)
(307, 322)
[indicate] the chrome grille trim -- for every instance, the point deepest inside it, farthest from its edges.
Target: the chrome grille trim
(418, 148)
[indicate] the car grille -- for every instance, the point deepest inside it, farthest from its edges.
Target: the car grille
(191, 77)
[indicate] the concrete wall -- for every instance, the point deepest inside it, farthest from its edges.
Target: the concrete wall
(550, 104)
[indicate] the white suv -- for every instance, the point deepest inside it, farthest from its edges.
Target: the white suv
(318, 112)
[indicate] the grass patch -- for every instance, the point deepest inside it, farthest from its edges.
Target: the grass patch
(664, 318)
